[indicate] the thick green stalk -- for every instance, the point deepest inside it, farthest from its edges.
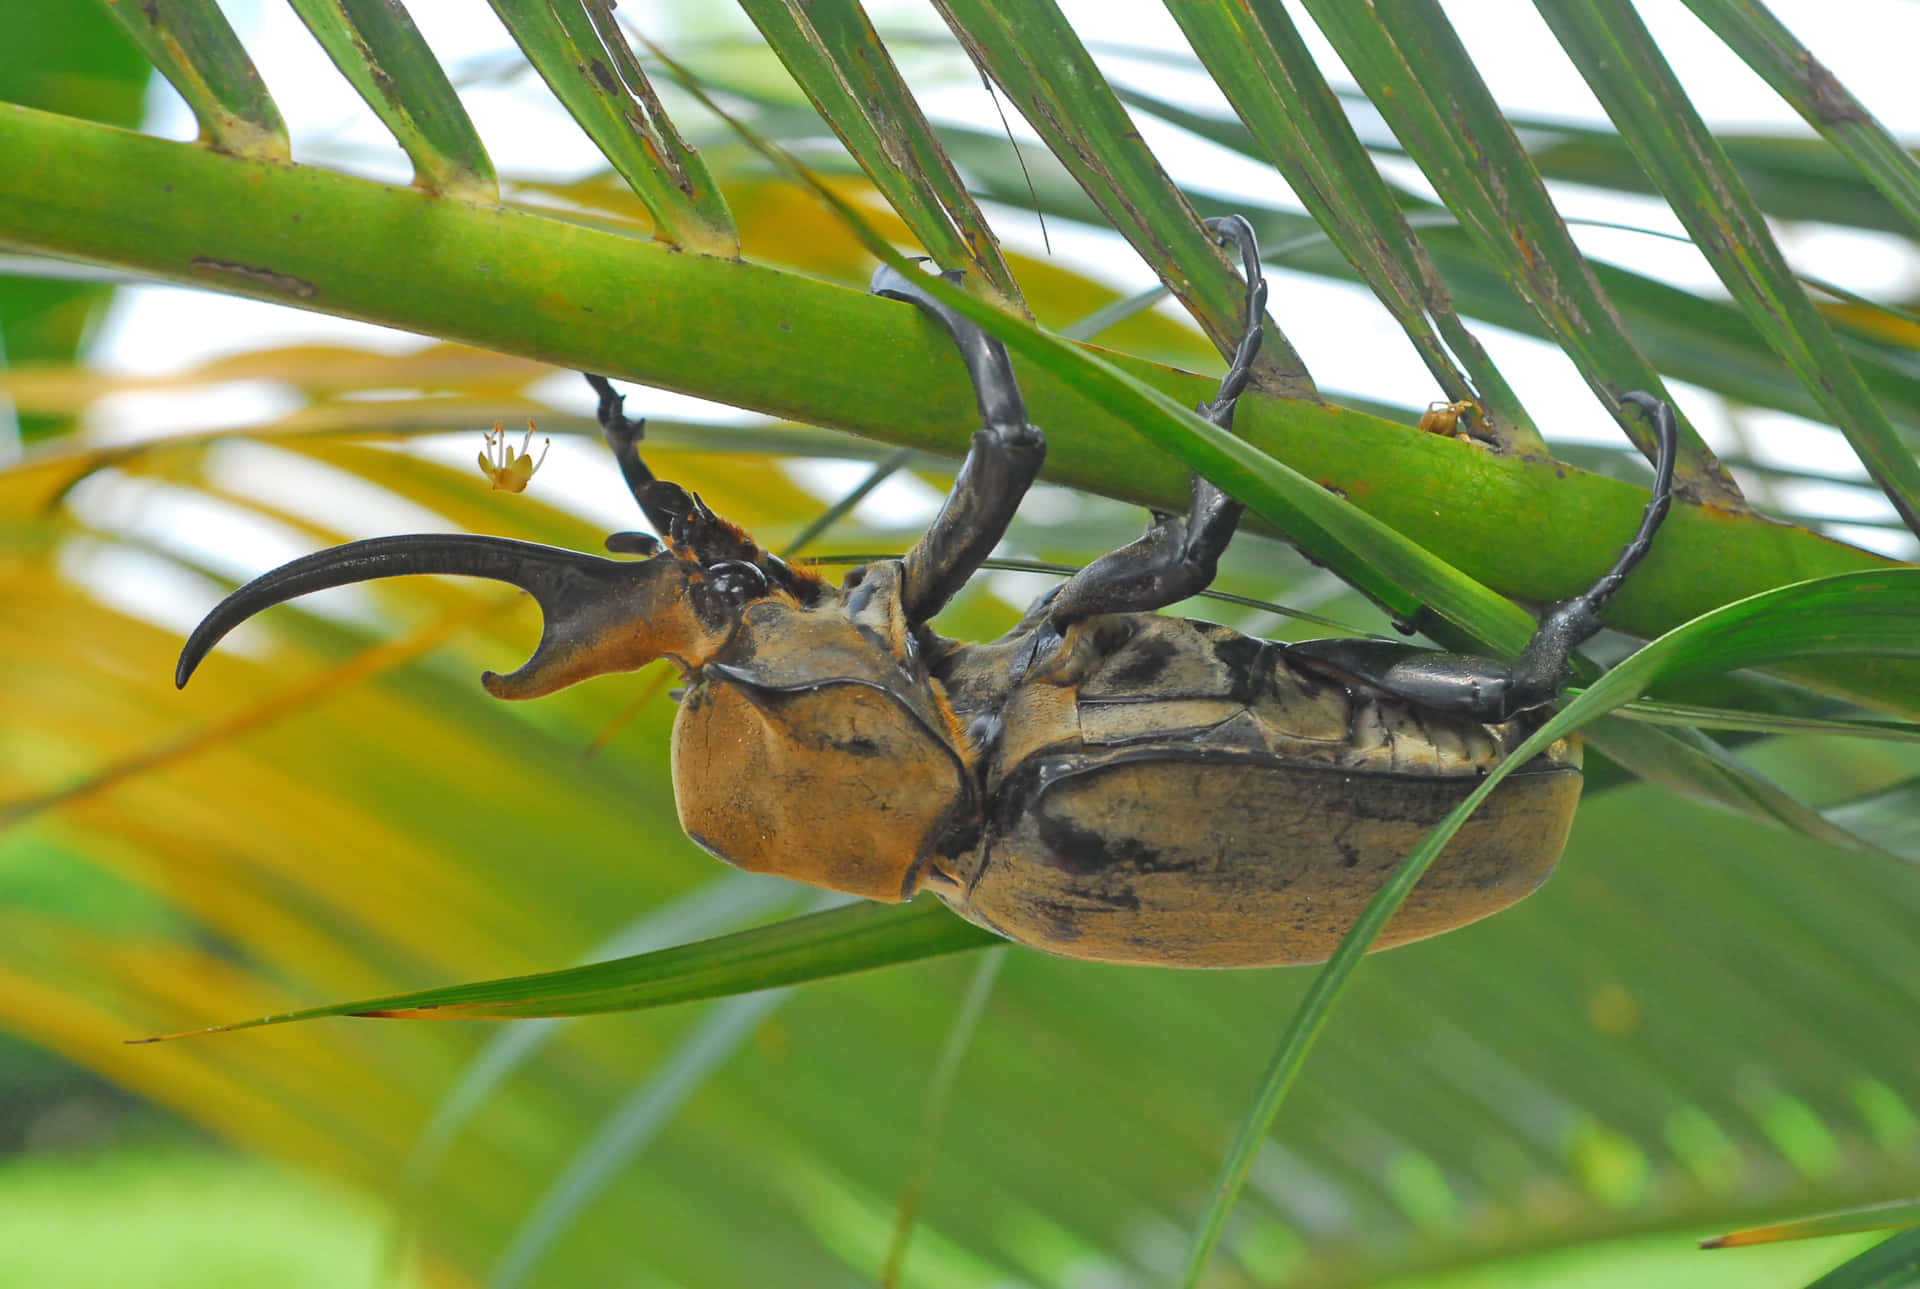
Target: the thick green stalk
(796, 347)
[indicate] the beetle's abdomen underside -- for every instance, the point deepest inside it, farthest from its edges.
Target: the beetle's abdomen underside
(1189, 799)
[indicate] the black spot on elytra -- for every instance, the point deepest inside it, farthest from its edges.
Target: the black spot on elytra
(1073, 849)
(1122, 898)
(1062, 921)
(1412, 799)
(1247, 661)
(1082, 851)
(859, 746)
(1143, 663)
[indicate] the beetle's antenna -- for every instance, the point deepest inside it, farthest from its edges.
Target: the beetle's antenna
(567, 584)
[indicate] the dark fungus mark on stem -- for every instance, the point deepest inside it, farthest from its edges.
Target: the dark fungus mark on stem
(1831, 101)
(285, 283)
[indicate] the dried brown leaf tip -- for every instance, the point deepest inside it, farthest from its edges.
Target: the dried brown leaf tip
(507, 469)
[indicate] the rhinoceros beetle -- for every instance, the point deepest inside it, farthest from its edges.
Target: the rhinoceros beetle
(1101, 782)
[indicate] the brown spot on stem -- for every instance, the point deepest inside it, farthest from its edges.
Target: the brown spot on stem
(285, 283)
(1831, 101)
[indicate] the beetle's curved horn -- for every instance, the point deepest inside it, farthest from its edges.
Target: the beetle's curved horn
(581, 597)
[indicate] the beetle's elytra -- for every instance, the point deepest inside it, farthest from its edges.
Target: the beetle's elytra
(1102, 782)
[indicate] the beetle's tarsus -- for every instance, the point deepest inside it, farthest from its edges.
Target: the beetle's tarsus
(1236, 230)
(1541, 671)
(1180, 554)
(1000, 466)
(1481, 688)
(1667, 433)
(1002, 409)
(622, 435)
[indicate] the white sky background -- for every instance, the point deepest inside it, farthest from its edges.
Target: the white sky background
(1347, 340)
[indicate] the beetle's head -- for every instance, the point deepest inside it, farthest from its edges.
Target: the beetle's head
(682, 601)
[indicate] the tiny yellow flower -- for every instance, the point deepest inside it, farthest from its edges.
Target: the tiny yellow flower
(508, 470)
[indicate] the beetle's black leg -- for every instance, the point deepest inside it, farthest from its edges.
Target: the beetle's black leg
(1001, 462)
(1482, 688)
(1179, 554)
(623, 438)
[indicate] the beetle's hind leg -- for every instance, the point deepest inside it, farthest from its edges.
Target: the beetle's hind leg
(1179, 554)
(1486, 689)
(1541, 670)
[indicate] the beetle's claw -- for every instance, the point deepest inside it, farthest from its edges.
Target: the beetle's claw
(1001, 407)
(1666, 432)
(1236, 230)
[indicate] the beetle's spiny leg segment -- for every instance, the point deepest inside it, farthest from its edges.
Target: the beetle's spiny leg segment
(1000, 466)
(679, 517)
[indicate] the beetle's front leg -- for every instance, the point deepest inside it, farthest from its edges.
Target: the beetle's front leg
(1179, 554)
(1485, 689)
(1001, 462)
(623, 440)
